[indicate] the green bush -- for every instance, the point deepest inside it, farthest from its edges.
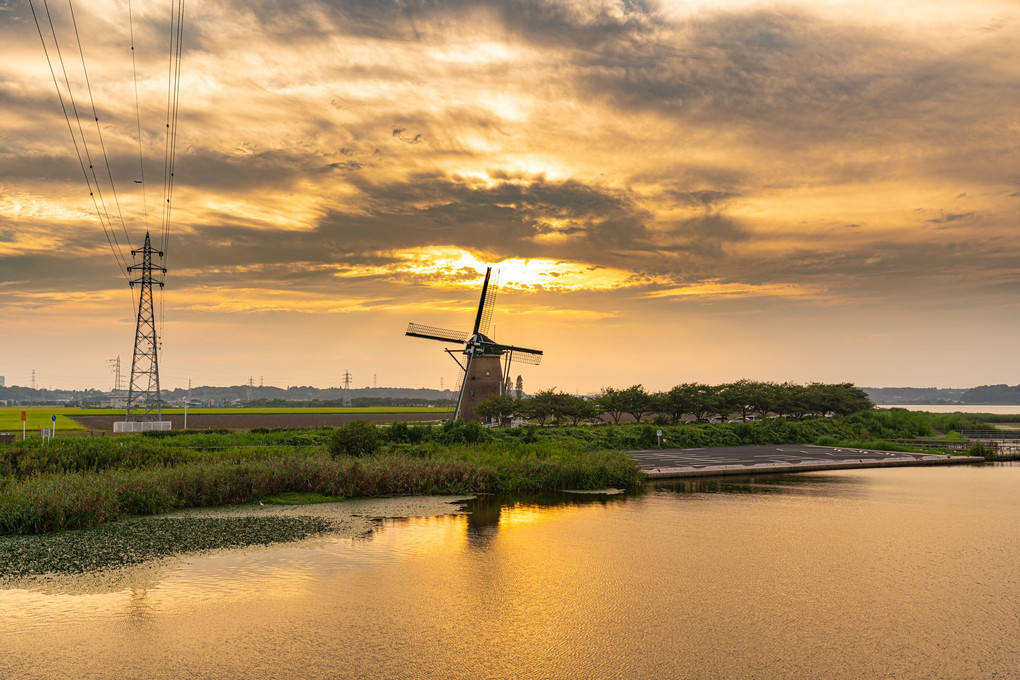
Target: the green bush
(648, 439)
(398, 432)
(420, 433)
(359, 438)
(461, 432)
(983, 450)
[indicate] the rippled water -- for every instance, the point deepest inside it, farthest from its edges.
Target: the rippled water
(893, 573)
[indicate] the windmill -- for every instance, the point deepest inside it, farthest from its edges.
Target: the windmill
(486, 361)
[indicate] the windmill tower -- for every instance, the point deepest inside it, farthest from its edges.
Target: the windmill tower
(485, 361)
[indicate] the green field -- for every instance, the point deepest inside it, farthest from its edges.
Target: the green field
(36, 417)
(40, 416)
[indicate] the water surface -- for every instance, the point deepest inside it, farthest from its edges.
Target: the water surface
(898, 573)
(1001, 409)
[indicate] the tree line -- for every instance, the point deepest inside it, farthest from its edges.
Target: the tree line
(683, 403)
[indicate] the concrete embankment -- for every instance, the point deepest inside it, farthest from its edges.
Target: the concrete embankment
(784, 459)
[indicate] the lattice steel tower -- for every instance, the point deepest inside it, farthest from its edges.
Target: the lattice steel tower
(143, 390)
(347, 389)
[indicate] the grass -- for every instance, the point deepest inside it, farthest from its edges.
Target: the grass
(46, 489)
(10, 421)
(299, 498)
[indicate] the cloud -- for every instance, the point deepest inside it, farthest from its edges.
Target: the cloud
(946, 218)
(784, 155)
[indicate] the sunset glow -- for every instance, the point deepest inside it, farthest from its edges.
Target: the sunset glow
(762, 186)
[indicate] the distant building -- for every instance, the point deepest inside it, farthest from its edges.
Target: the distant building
(115, 401)
(2, 383)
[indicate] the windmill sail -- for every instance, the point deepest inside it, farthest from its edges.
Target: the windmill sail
(433, 333)
(488, 303)
(481, 302)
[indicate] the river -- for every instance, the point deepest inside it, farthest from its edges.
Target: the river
(1001, 409)
(895, 573)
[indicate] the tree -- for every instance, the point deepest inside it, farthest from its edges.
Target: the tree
(841, 399)
(736, 396)
(702, 400)
(612, 403)
(499, 408)
(792, 400)
(576, 408)
(542, 405)
(852, 399)
(678, 401)
(764, 398)
(637, 402)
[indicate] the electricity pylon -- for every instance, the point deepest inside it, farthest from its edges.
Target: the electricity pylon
(143, 390)
(115, 365)
(347, 389)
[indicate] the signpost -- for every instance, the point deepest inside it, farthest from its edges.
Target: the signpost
(658, 437)
(53, 431)
(22, 426)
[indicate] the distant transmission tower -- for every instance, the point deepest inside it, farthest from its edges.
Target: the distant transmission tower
(440, 383)
(115, 364)
(33, 378)
(374, 383)
(347, 389)
(143, 389)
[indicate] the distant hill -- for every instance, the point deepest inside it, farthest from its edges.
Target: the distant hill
(915, 395)
(985, 394)
(992, 394)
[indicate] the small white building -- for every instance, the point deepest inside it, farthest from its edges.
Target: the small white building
(115, 401)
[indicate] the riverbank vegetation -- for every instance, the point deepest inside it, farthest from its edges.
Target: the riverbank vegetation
(79, 482)
(83, 482)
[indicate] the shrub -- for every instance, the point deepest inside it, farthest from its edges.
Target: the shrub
(647, 439)
(983, 450)
(460, 432)
(359, 438)
(398, 433)
(417, 434)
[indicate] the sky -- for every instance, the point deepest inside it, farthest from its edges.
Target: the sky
(818, 190)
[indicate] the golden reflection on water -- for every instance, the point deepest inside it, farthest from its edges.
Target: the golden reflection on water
(905, 573)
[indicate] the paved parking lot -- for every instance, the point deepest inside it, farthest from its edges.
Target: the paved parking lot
(771, 458)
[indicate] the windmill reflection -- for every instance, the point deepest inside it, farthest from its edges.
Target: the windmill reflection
(486, 514)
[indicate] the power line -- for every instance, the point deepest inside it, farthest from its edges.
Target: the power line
(99, 131)
(138, 117)
(111, 236)
(170, 147)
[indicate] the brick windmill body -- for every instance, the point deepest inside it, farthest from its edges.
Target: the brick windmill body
(485, 361)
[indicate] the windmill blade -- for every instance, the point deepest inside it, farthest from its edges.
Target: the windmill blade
(527, 358)
(488, 302)
(521, 354)
(418, 330)
(481, 301)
